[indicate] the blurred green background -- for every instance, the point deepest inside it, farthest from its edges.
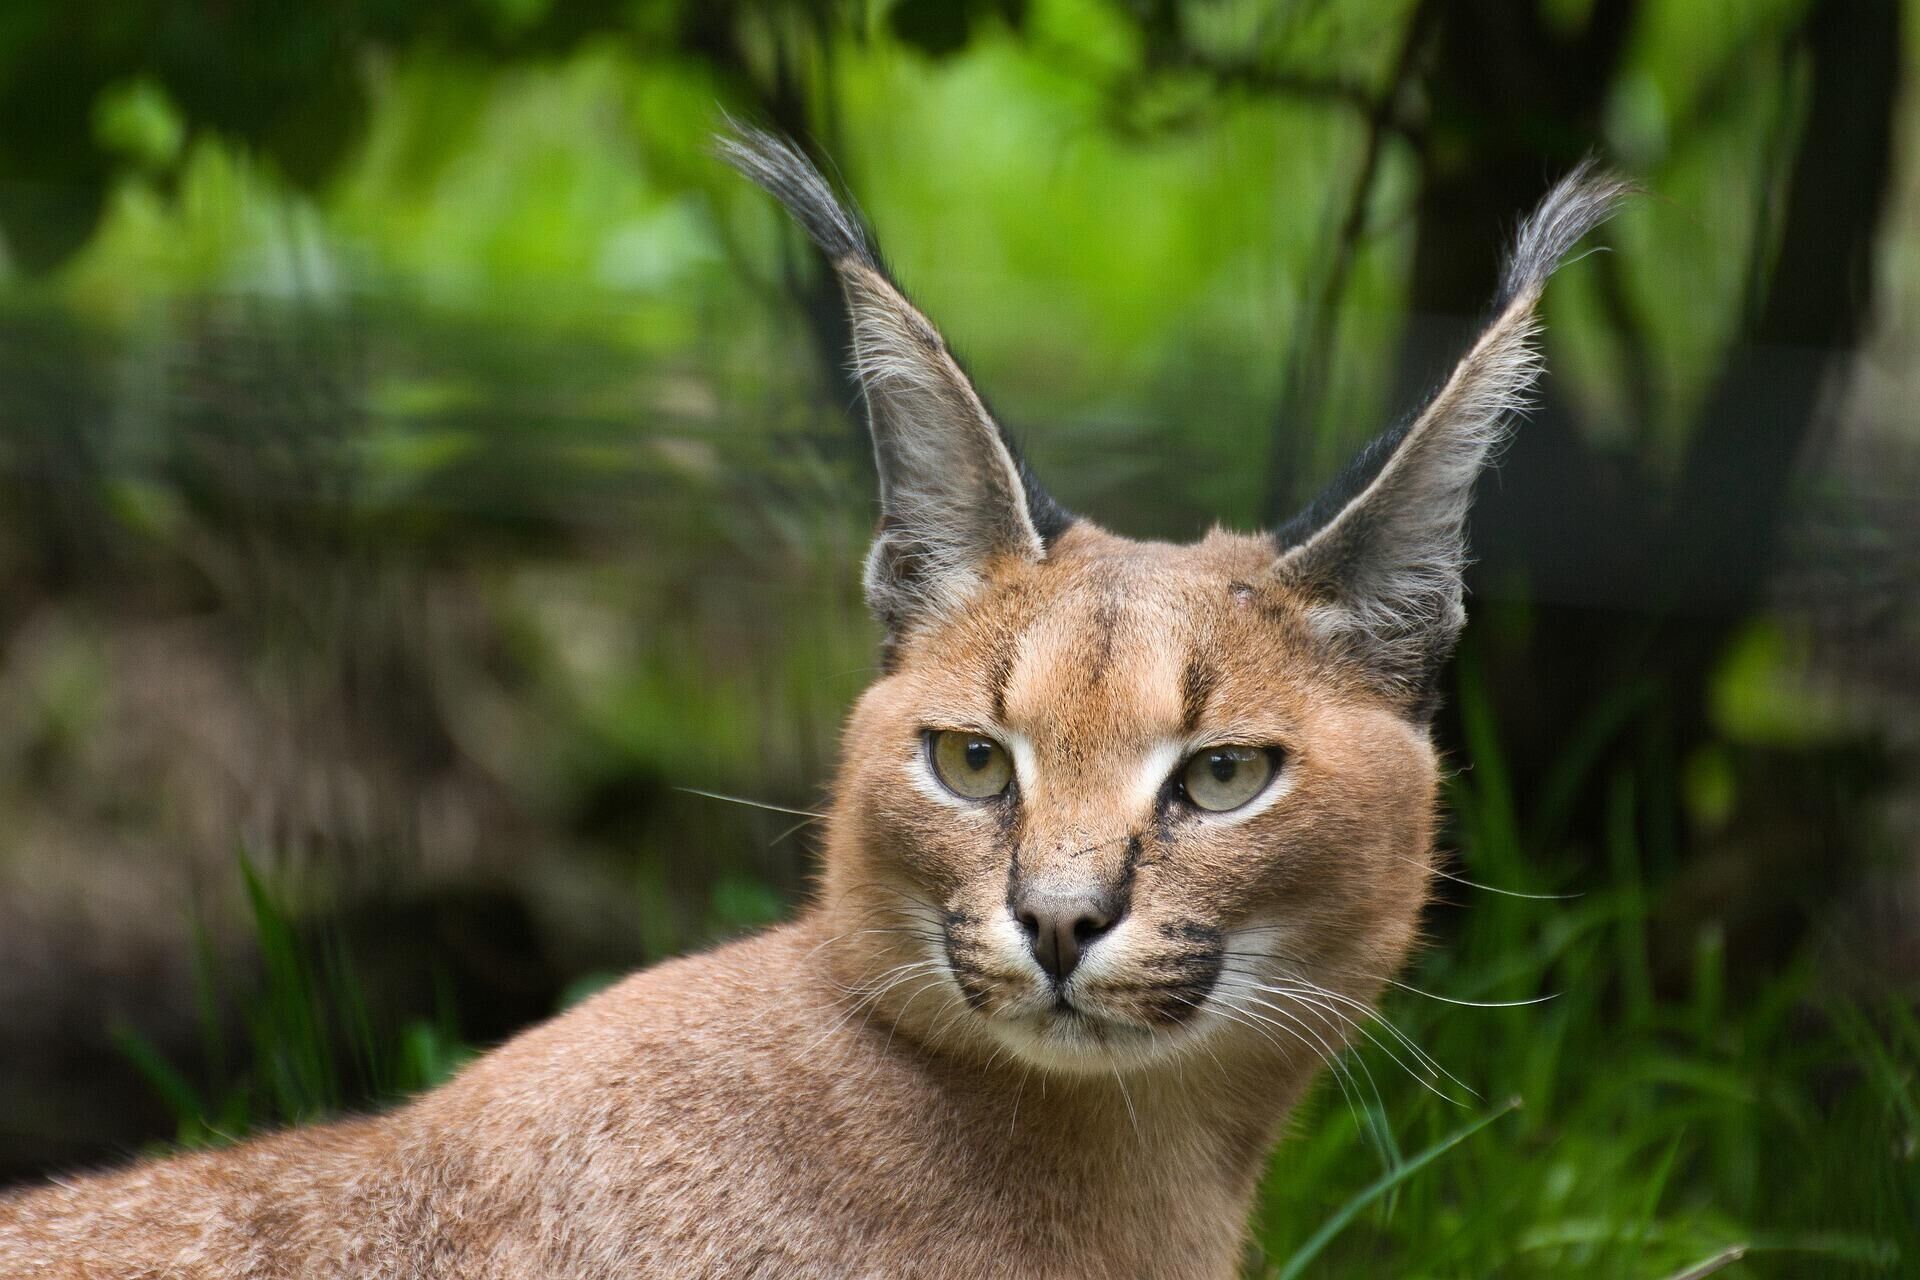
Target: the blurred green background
(422, 468)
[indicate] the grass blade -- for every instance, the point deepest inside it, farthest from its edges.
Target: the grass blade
(182, 1099)
(1707, 1266)
(1386, 1182)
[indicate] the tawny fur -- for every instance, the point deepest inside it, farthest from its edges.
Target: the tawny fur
(888, 1086)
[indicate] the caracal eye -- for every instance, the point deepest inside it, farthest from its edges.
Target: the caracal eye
(970, 764)
(1222, 778)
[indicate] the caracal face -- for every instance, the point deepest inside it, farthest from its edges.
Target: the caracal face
(1199, 803)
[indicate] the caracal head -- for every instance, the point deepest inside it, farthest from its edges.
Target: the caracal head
(1114, 803)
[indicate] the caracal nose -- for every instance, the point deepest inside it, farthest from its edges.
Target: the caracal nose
(1060, 929)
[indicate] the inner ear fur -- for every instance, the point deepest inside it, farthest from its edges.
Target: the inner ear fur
(1380, 555)
(954, 493)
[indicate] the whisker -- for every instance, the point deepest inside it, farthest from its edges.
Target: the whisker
(921, 974)
(1473, 1004)
(1252, 988)
(869, 999)
(1301, 991)
(1325, 1007)
(796, 827)
(960, 1009)
(1014, 1123)
(1200, 1006)
(1330, 1001)
(1133, 1117)
(1423, 1080)
(1325, 1052)
(1488, 888)
(1293, 1027)
(1281, 954)
(808, 814)
(1312, 993)
(918, 991)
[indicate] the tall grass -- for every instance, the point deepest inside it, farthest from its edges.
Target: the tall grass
(308, 1045)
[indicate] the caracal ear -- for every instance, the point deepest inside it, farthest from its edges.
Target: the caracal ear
(954, 494)
(1380, 553)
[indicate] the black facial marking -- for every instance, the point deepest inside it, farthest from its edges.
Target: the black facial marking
(1123, 890)
(1194, 932)
(1184, 998)
(1006, 816)
(958, 944)
(1178, 998)
(959, 948)
(999, 672)
(1197, 684)
(1163, 810)
(966, 973)
(970, 988)
(1013, 880)
(1106, 620)
(1190, 972)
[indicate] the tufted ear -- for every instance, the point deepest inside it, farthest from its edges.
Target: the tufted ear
(954, 494)
(1381, 552)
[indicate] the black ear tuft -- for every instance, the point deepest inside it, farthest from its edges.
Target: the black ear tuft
(954, 493)
(779, 168)
(1578, 203)
(1381, 552)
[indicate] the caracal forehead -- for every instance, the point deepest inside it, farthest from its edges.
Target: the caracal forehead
(1126, 638)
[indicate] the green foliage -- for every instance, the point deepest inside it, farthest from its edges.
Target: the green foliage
(307, 1044)
(1397, 1173)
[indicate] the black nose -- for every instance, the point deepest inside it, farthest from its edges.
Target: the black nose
(1060, 929)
